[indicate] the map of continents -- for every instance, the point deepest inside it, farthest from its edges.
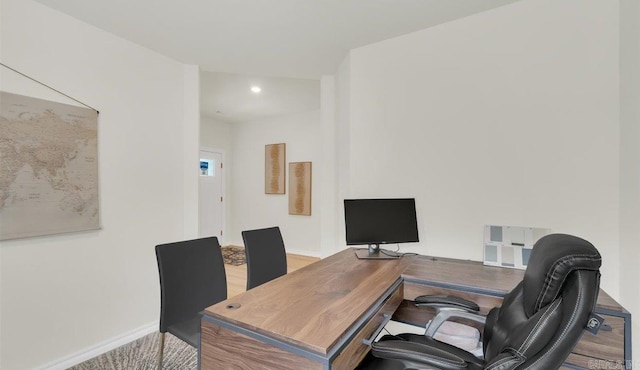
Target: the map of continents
(48, 167)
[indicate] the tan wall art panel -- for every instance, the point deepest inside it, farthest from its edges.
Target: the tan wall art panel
(274, 168)
(300, 188)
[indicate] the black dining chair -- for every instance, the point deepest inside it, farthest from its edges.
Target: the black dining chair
(192, 277)
(266, 256)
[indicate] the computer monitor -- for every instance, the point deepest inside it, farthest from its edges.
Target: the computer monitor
(380, 221)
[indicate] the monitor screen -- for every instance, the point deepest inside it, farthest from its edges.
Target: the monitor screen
(380, 221)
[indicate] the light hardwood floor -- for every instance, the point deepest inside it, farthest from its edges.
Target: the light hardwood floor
(237, 275)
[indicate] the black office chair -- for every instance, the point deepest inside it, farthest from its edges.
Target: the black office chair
(266, 256)
(539, 323)
(192, 277)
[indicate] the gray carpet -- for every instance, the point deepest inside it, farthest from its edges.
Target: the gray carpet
(142, 354)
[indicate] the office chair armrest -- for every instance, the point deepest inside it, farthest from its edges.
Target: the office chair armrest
(446, 301)
(444, 314)
(416, 355)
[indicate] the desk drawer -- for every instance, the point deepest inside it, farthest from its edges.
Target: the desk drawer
(223, 348)
(354, 352)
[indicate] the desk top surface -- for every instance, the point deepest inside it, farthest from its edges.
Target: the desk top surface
(469, 274)
(314, 306)
(476, 276)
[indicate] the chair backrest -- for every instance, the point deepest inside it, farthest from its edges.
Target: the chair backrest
(543, 318)
(266, 256)
(192, 277)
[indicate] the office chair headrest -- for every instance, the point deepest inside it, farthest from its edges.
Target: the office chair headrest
(552, 259)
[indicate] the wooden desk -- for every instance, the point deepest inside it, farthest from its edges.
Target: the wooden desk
(316, 317)
(312, 318)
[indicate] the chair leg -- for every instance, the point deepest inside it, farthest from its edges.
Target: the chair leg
(161, 351)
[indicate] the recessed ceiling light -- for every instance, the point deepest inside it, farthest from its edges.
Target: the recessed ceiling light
(256, 89)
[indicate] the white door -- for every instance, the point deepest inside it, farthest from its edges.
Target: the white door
(211, 194)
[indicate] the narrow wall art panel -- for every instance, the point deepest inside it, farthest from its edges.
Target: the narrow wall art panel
(300, 188)
(274, 168)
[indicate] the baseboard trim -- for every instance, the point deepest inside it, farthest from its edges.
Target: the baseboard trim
(303, 252)
(100, 348)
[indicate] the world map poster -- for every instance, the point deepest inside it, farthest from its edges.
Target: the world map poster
(48, 167)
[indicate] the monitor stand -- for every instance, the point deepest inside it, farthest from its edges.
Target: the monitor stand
(374, 253)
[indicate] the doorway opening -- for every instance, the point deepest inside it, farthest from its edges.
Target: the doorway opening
(211, 202)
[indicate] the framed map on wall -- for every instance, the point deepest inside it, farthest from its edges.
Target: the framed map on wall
(48, 167)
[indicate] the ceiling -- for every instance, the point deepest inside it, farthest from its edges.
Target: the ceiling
(284, 38)
(296, 40)
(228, 97)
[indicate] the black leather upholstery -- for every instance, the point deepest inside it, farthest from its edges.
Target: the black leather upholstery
(446, 300)
(562, 255)
(266, 256)
(192, 277)
(425, 351)
(537, 326)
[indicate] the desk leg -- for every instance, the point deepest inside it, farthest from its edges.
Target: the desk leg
(627, 342)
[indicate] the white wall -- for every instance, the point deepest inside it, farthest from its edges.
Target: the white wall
(216, 134)
(343, 119)
(508, 117)
(191, 150)
(63, 294)
(219, 135)
(630, 162)
(252, 208)
(329, 173)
